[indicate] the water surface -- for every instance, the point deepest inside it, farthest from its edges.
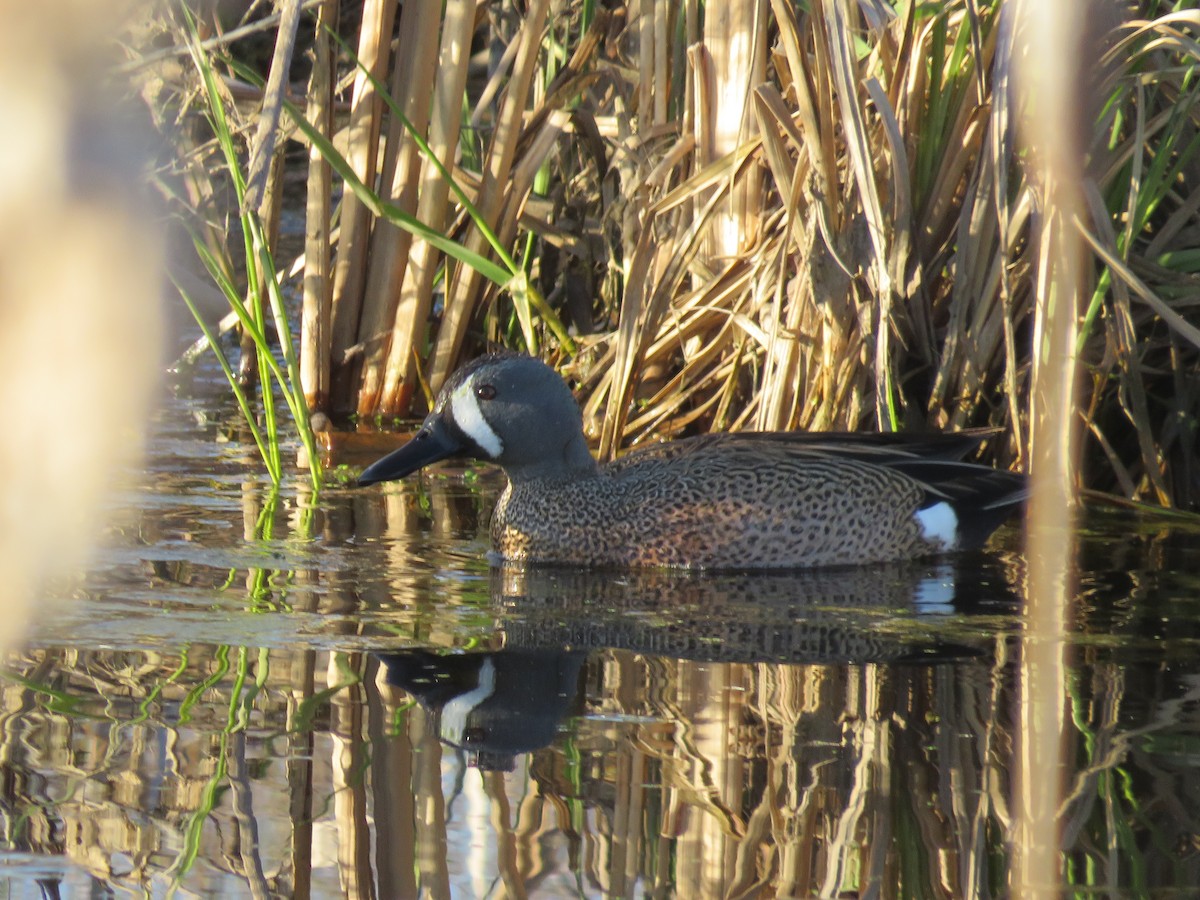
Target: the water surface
(257, 696)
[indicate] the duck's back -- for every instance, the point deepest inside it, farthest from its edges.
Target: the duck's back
(738, 501)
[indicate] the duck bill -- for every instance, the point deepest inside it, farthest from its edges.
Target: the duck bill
(432, 443)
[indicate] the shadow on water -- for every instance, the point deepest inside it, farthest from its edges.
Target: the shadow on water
(252, 696)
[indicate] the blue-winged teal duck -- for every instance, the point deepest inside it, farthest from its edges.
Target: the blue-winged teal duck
(722, 501)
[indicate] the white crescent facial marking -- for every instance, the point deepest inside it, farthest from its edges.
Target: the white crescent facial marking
(454, 714)
(939, 524)
(464, 407)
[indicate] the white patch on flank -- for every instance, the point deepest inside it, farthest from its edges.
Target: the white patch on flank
(935, 594)
(939, 524)
(465, 409)
(454, 713)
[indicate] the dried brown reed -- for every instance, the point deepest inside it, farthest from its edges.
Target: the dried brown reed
(758, 216)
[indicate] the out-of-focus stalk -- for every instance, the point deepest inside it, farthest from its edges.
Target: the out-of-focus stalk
(1047, 53)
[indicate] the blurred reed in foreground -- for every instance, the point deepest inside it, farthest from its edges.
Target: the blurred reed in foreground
(81, 279)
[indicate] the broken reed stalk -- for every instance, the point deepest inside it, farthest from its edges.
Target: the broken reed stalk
(316, 311)
(349, 271)
(391, 247)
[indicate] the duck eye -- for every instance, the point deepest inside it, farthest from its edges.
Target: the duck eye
(485, 392)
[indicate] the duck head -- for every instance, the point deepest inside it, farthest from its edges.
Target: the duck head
(509, 409)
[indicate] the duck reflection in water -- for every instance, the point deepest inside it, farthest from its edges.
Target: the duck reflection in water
(496, 705)
(493, 706)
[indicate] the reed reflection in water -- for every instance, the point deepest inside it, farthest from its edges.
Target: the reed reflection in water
(794, 747)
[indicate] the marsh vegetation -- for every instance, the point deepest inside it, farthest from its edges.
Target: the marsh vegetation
(712, 216)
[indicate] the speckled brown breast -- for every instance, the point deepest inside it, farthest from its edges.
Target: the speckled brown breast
(722, 506)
